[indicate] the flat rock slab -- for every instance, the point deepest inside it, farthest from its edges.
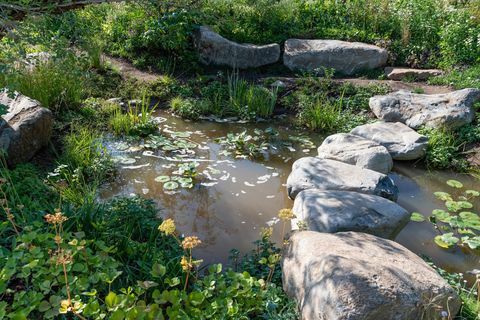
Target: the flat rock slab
(352, 149)
(399, 74)
(451, 110)
(336, 211)
(345, 57)
(214, 49)
(315, 173)
(25, 128)
(402, 142)
(357, 276)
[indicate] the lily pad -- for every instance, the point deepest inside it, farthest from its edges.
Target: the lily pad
(170, 185)
(162, 179)
(417, 217)
(446, 240)
(455, 184)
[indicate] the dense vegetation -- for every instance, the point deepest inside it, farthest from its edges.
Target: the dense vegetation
(63, 254)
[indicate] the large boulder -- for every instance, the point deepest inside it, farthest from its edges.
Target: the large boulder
(402, 142)
(399, 74)
(215, 49)
(357, 276)
(336, 211)
(25, 128)
(450, 110)
(324, 174)
(345, 57)
(352, 149)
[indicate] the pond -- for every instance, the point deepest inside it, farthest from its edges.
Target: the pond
(234, 197)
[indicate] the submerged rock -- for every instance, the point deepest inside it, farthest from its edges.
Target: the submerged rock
(352, 149)
(345, 57)
(399, 74)
(215, 49)
(336, 211)
(451, 110)
(352, 276)
(25, 128)
(402, 142)
(315, 173)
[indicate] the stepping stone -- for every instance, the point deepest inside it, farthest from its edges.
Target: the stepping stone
(399, 74)
(345, 57)
(451, 110)
(336, 211)
(358, 276)
(214, 49)
(315, 173)
(402, 142)
(352, 149)
(25, 128)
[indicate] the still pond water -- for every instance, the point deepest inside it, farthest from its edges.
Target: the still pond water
(233, 198)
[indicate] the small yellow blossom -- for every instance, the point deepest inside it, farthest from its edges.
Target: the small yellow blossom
(191, 242)
(266, 233)
(286, 214)
(185, 264)
(167, 227)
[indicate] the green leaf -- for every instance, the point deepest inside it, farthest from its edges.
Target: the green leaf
(171, 185)
(472, 193)
(117, 315)
(473, 243)
(111, 299)
(446, 240)
(443, 196)
(173, 282)
(417, 217)
(44, 306)
(162, 179)
(441, 215)
(158, 270)
(196, 298)
(455, 184)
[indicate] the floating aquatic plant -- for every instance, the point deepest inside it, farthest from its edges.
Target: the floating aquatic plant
(456, 224)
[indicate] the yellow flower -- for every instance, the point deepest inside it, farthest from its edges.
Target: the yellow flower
(185, 265)
(286, 214)
(167, 227)
(191, 242)
(266, 233)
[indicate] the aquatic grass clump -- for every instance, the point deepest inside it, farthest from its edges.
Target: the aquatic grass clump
(249, 100)
(137, 121)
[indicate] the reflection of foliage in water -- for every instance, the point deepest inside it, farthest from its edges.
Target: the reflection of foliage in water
(456, 225)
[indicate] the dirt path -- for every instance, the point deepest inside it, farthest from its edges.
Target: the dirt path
(127, 70)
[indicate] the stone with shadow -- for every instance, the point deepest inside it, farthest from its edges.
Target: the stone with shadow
(336, 211)
(402, 142)
(25, 128)
(357, 276)
(352, 149)
(324, 174)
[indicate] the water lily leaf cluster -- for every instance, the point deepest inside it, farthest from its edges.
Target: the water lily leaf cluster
(183, 177)
(456, 223)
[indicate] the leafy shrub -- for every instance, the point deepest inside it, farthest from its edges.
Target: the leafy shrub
(460, 78)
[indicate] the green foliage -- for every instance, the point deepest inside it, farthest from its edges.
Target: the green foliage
(56, 83)
(249, 101)
(137, 121)
(445, 147)
(460, 78)
(320, 113)
(186, 108)
(457, 225)
(246, 145)
(470, 308)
